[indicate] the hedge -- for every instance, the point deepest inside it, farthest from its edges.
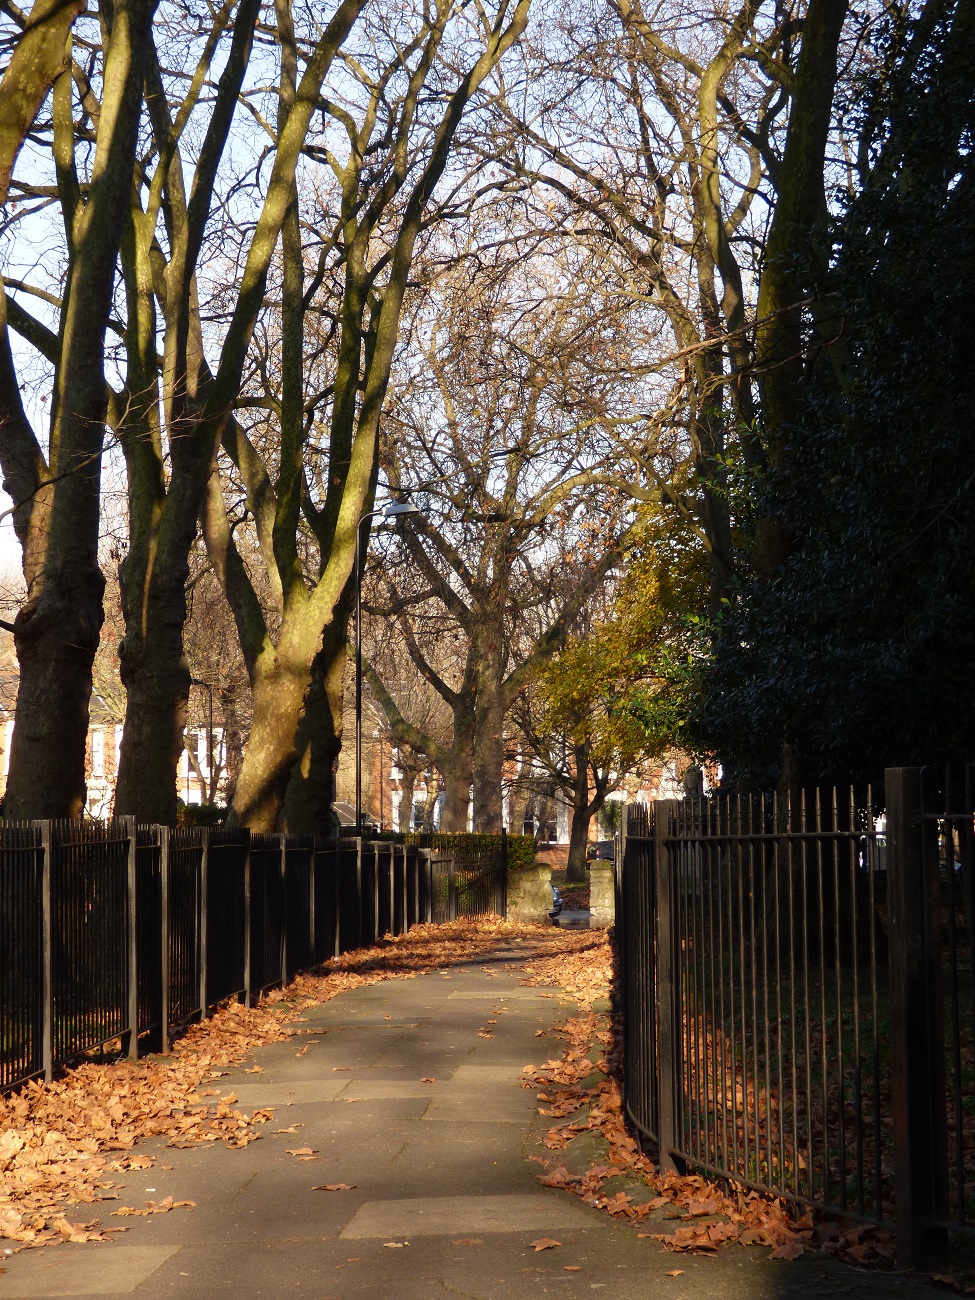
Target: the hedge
(471, 846)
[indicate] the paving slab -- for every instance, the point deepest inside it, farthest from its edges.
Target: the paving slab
(443, 1198)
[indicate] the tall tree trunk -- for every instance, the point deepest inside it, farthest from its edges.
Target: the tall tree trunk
(279, 686)
(457, 776)
(157, 681)
(581, 816)
(56, 639)
(57, 629)
(39, 57)
(799, 208)
(232, 739)
(311, 786)
(489, 733)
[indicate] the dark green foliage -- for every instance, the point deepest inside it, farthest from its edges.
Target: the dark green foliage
(197, 814)
(472, 846)
(861, 652)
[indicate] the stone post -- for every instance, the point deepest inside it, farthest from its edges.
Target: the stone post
(530, 894)
(602, 895)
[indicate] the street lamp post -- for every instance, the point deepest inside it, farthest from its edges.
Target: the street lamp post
(391, 511)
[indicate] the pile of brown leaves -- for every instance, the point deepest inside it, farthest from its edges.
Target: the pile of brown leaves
(582, 966)
(581, 1089)
(61, 1142)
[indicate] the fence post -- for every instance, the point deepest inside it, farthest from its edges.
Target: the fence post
(47, 955)
(503, 884)
(667, 1031)
(424, 860)
(619, 912)
(312, 919)
(246, 842)
(132, 1037)
(204, 919)
(917, 1014)
(162, 834)
(283, 871)
(451, 887)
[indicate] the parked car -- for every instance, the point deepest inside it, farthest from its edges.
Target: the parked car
(602, 851)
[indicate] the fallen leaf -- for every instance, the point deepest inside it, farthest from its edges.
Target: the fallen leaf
(428, 1081)
(155, 1207)
(334, 1187)
(301, 1151)
(572, 1268)
(674, 1272)
(545, 1243)
(396, 1245)
(788, 1250)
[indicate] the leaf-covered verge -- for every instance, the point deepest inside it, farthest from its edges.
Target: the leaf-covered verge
(591, 1152)
(62, 1142)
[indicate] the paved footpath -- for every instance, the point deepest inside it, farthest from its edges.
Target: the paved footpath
(444, 1202)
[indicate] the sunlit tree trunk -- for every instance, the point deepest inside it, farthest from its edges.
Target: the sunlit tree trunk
(57, 628)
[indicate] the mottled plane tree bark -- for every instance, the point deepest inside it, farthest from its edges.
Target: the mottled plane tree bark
(311, 474)
(174, 405)
(57, 495)
(197, 399)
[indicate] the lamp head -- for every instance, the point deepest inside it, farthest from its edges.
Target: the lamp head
(396, 508)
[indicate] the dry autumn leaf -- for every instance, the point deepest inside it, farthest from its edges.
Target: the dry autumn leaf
(428, 1081)
(674, 1272)
(155, 1207)
(302, 1151)
(545, 1243)
(789, 1250)
(334, 1187)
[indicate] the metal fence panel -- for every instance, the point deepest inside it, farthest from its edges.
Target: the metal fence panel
(470, 873)
(149, 928)
(776, 990)
(21, 954)
(109, 931)
(89, 935)
(326, 901)
(225, 929)
(299, 903)
(185, 919)
(267, 916)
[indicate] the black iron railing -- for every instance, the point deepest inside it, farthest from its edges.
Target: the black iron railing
(470, 872)
(798, 992)
(111, 931)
